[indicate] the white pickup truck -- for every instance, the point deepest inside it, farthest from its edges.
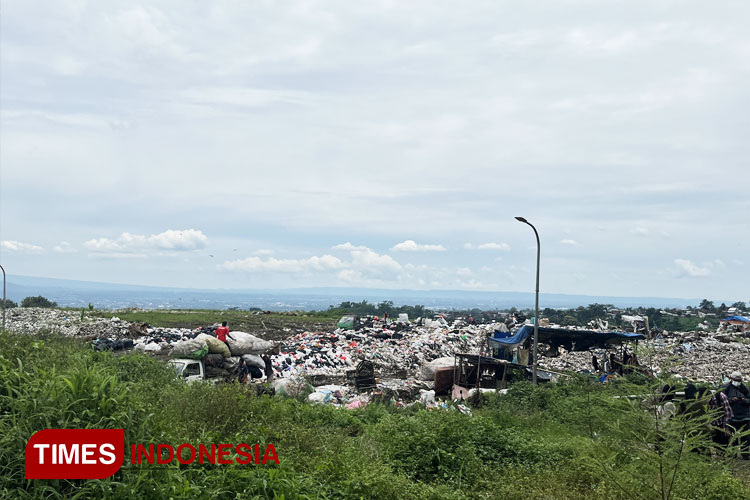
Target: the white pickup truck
(191, 370)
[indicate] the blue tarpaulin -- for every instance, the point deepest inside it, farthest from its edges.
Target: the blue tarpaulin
(572, 340)
(737, 318)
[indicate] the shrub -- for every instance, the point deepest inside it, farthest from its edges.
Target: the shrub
(37, 301)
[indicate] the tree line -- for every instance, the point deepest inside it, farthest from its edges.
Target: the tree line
(37, 301)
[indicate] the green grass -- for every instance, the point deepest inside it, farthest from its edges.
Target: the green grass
(535, 443)
(273, 325)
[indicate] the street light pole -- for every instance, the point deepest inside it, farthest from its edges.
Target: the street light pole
(536, 305)
(3, 269)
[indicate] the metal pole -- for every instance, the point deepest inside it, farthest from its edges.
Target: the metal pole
(536, 303)
(1, 267)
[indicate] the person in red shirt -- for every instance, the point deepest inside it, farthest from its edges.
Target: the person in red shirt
(222, 331)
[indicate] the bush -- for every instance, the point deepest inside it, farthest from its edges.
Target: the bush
(37, 301)
(9, 304)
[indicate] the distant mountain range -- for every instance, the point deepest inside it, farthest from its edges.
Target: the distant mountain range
(71, 293)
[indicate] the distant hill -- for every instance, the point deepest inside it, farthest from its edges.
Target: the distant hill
(72, 293)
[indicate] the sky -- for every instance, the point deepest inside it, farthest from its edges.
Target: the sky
(388, 144)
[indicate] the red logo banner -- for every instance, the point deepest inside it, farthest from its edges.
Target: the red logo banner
(74, 453)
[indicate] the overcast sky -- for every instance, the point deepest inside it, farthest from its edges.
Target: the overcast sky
(276, 144)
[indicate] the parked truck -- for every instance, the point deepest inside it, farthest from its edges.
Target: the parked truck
(193, 370)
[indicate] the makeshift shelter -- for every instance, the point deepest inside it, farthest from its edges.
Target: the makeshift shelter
(572, 340)
(472, 370)
(512, 354)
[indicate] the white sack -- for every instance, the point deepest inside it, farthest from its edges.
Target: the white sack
(243, 343)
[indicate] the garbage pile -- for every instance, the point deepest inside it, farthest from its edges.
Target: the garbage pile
(398, 350)
(697, 356)
(387, 392)
(391, 352)
(109, 333)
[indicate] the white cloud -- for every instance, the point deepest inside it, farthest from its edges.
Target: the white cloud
(569, 242)
(494, 246)
(348, 246)
(64, 247)
(365, 267)
(170, 240)
(468, 246)
(271, 264)
(368, 260)
(412, 246)
(639, 231)
(686, 268)
(20, 247)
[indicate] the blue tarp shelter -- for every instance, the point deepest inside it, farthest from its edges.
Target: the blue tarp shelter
(572, 340)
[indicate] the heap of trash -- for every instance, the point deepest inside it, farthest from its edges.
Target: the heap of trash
(698, 356)
(393, 353)
(398, 350)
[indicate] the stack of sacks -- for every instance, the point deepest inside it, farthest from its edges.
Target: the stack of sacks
(193, 348)
(215, 346)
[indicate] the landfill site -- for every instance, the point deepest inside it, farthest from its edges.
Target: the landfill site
(402, 360)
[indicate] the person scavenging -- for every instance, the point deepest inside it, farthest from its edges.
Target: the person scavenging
(222, 332)
(739, 399)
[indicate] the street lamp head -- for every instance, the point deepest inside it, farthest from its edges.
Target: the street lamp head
(521, 219)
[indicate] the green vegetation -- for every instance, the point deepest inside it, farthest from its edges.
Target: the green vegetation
(37, 301)
(364, 308)
(570, 441)
(9, 304)
(272, 325)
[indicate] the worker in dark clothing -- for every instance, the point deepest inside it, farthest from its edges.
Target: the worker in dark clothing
(739, 399)
(222, 332)
(244, 371)
(268, 367)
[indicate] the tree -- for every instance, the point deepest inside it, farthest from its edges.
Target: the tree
(569, 320)
(9, 304)
(707, 305)
(739, 305)
(38, 301)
